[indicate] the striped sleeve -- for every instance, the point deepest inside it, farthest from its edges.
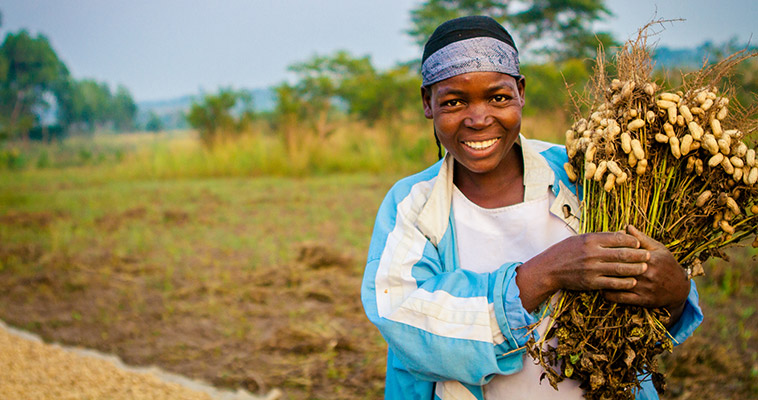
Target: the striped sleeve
(441, 322)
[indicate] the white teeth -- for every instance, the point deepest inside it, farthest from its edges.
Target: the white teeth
(481, 145)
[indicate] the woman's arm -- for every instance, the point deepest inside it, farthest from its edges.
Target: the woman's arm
(440, 321)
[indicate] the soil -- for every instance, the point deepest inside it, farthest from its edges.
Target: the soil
(297, 325)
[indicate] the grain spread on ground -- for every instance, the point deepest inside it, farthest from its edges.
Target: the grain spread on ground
(33, 370)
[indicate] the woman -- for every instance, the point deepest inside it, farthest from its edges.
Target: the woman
(464, 253)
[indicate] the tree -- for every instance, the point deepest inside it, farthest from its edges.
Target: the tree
(546, 84)
(214, 116)
(289, 112)
(33, 80)
(381, 95)
(561, 27)
(29, 70)
(342, 81)
(86, 105)
(91, 104)
(154, 123)
(318, 84)
(123, 110)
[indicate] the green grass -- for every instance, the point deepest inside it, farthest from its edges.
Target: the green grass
(187, 258)
(169, 216)
(352, 147)
(201, 276)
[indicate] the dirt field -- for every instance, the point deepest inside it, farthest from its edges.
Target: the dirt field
(255, 284)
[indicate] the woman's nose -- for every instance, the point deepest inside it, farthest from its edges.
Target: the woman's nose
(478, 117)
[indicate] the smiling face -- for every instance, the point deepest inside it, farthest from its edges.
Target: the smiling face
(477, 117)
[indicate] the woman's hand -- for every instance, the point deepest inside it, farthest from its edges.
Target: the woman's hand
(592, 261)
(629, 267)
(664, 283)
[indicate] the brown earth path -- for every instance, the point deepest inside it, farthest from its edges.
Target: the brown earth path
(31, 369)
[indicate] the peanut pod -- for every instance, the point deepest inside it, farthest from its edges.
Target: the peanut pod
(686, 144)
(672, 114)
(675, 150)
(570, 172)
(715, 160)
(589, 170)
(637, 149)
(610, 182)
(703, 198)
(626, 142)
(716, 128)
(732, 204)
(641, 166)
(727, 165)
(670, 97)
(614, 168)
(753, 177)
(661, 138)
(737, 162)
(636, 124)
(685, 112)
(600, 171)
(695, 129)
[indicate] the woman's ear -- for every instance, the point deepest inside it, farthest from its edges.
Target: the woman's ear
(426, 99)
(521, 89)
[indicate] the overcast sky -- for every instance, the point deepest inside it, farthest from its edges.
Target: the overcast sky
(162, 49)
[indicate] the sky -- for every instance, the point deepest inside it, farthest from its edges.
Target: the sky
(163, 49)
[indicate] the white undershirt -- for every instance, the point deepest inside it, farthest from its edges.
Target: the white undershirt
(489, 238)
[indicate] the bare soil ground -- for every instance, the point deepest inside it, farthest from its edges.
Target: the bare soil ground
(255, 283)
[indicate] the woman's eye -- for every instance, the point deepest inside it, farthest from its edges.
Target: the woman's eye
(500, 98)
(451, 103)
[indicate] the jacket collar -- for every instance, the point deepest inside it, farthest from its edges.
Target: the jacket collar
(434, 217)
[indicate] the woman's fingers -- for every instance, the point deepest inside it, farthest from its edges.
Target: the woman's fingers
(605, 276)
(625, 297)
(624, 255)
(614, 247)
(616, 240)
(621, 269)
(646, 242)
(615, 283)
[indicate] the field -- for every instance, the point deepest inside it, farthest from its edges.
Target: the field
(251, 280)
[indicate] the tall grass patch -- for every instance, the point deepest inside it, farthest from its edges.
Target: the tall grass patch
(350, 147)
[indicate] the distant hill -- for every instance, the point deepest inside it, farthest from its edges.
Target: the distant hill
(666, 57)
(172, 111)
(692, 58)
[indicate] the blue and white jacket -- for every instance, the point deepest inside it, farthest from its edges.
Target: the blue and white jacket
(450, 330)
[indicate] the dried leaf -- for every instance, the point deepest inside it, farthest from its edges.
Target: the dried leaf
(576, 317)
(599, 357)
(629, 356)
(596, 380)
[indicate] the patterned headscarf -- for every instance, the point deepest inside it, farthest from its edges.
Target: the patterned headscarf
(468, 44)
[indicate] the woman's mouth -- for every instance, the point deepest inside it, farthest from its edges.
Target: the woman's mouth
(481, 145)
